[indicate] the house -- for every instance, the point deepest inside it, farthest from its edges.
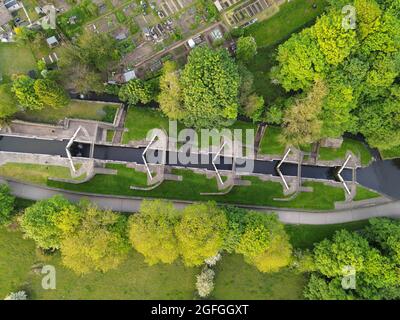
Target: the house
(12, 5)
(52, 42)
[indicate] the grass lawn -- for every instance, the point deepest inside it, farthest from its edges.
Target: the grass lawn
(259, 193)
(392, 153)
(270, 143)
(140, 120)
(305, 236)
(235, 279)
(8, 102)
(291, 17)
(364, 193)
(15, 59)
(33, 173)
(357, 147)
(76, 109)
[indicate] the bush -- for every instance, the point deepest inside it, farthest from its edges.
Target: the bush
(6, 204)
(20, 295)
(205, 282)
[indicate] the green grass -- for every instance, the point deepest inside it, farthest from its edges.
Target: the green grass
(259, 193)
(364, 193)
(15, 59)
(392, 153)
(121, 18)
(34, 173)
(305, 236)
(270, 143)
(291, 17)
(76, 109)
(16, 257)
(236, 280)
(139, 121)
(8, 102)
(357, 147)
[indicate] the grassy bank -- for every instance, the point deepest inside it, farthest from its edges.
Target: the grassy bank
(258, 193)
(76, 109)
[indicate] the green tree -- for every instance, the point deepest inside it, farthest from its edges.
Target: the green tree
(97, 244)
(386, 233)
(301, 122)
(254, 107)
(264, 242)
(135, 91)
(152, 231)
(300, 62)
(170, 97)
(246, 48)
(50, 93)
(200, 232)
(23, 88)
(318, 288)
(345, 249)
(335, 42)
(210, 84)
(42, 221)
(6, 204)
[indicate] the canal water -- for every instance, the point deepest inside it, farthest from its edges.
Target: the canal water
(382, 176)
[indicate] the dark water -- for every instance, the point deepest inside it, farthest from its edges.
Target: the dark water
(382, 176)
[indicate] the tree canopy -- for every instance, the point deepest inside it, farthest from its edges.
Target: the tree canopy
(360, 68)
(152, 231)
(210, 83)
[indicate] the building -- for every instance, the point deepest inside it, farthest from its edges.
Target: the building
(52, 42)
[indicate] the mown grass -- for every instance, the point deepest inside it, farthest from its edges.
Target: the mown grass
(290, 18)
(305, 236)
(34, 173)
(357, 147)
(364, 193)
(140, 120)
(270, 143)
(235, 279)
(15, 59)
(258, 193)
(76, 109)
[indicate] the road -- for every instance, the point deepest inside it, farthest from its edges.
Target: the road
(132, 204)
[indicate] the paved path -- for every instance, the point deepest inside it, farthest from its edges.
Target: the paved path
(131, 204)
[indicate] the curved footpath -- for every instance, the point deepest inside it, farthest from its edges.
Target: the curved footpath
(132, 204)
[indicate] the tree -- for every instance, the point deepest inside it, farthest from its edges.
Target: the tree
(45, 221)
(170, 97)
(85, 63)
(135, 91)
(300, 62)
(200, 232)
(205, 282)
(254, 107)
(264, 242)
(246, 48)
(210, 84)
(345, 249)
(6, 204)
(335, 42)
(97, 244)
(319, 288)
(301, 123)
(385, 233)
(50, 93)
(274, 115)
(152, 233)
(379, 123)
(23, 88)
